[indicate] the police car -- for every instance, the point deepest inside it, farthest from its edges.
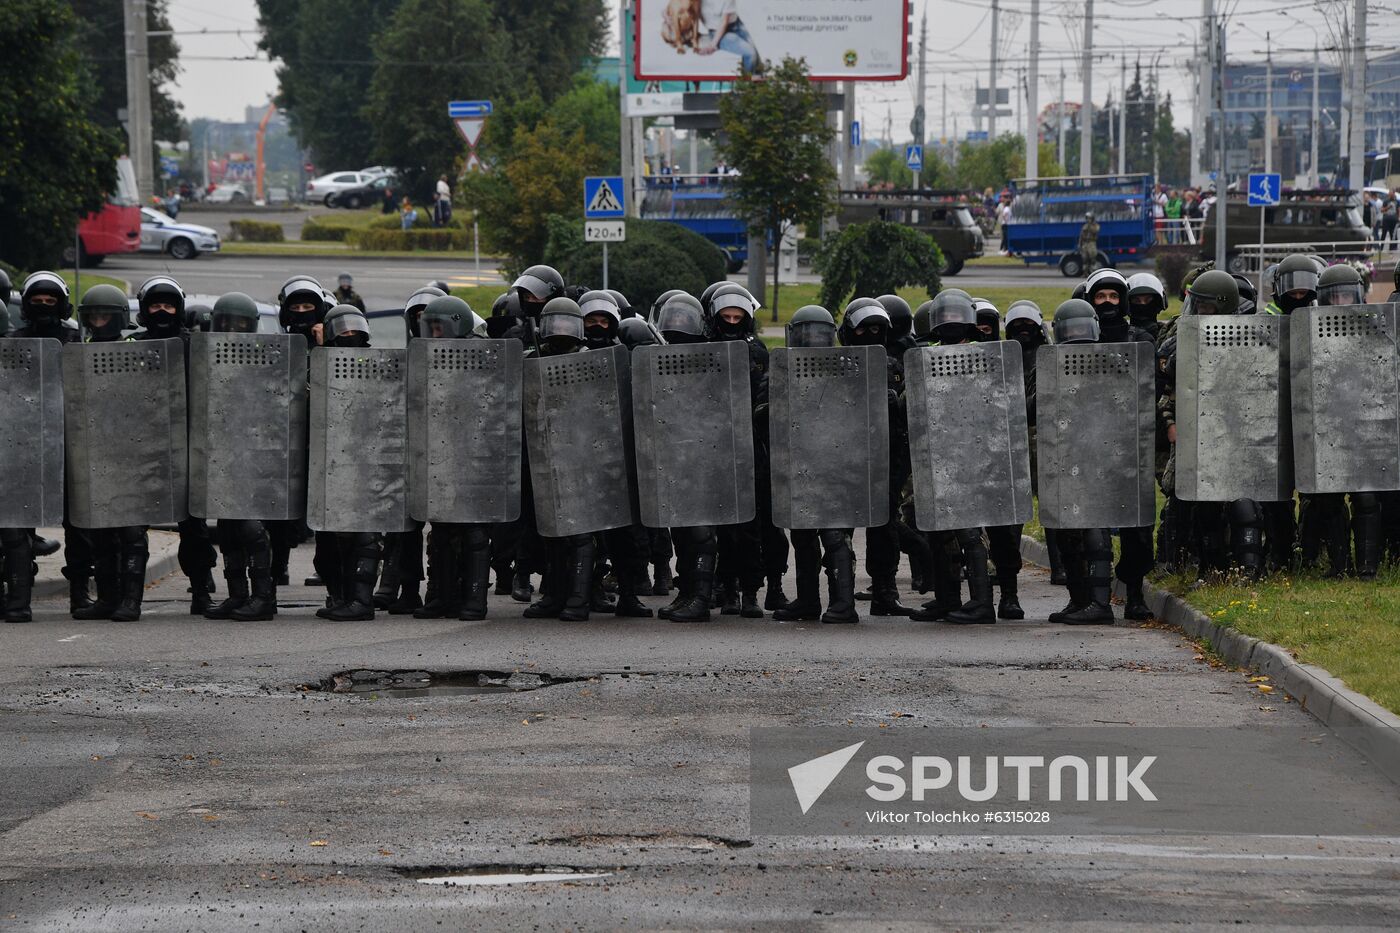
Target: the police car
(161, 233)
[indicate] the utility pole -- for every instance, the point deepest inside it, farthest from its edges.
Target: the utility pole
(1033, 97)
(138, 97)
(1268, 102)
(1086, 109)
(625, 123)
(1356, 144)
(992, 77)
(1204, 83)
(920, 135)
(1060, 111)
(1313, 174)
(848, 118)
(1123, 115)
(1220, 209)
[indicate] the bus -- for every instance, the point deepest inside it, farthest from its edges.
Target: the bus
(116, 228)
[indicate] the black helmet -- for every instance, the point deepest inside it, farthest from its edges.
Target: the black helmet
(600, 302)
(560, 326)
(417, 302)
(661, 300)
(1249, 297)
(901, 315)
(44, 283)
(301, 289)
(1024, 320)
(1146, 298)
(948, 318)
(1340, 285)
(624, 307)
(1295, 282)
(6, 287)
(103, 311)
(635, 332)
(1212, 292)
(870, 318)
(681, 320)
(538, 285)
(811, 326)
(234, 313)
(163, 289)
(987, 316)
(449, 316)
(1111, 313)
(1076, 322)
(345, 325)
(731, 296)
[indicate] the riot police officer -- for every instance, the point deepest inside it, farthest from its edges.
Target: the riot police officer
(813, 326)
(537, 286)
(301, 309)
(245, 543)
(1147, 301)
(1087, 552)
(901, 325)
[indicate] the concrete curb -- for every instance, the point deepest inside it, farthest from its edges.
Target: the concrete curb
(1369, 727)
(163, 561)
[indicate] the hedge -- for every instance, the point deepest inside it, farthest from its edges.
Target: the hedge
(441, 240)
(312, 231)
(255, 231)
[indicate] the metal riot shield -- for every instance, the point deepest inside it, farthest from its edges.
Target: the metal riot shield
(464, 430)
(694, 428)
(1346, 399)
(578, 436)
(1095, 422)
(829, 437)
(969, 445)
(358, 465)
(248, 426)
(1233, 437)
(31, 432)
(125, 431)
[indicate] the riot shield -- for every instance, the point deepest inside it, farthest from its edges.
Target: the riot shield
(578, 436)
(694, 428)
(358, 464)
(1346, 399)
(464, 430)
(248, 426)
(1095, 435)
(31, 432)
(1233, 438)
(125, 431)
(968, 441)
(829, 437)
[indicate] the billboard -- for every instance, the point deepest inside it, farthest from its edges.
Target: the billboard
(841, 40)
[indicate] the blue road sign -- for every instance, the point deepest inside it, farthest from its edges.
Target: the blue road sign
(469, 108)
(1264, 189)
(914, 158)
(604, 197)
(855, 134)
(977, 136)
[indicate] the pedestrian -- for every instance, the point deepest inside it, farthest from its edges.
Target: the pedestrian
(1388, 220)
(442, 203)
(408, 215)
(1174, 213)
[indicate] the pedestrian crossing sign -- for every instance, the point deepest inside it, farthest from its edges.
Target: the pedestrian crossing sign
(603, 197)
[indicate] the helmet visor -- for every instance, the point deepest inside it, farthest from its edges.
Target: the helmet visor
(1296, 280)
(1077, 330)
(1343, 293)
(226, 322)
(680, 319)
(343, 324)
(811, 334)
(538, 288)
(561, 325)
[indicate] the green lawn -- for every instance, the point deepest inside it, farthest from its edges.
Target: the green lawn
(88, 280)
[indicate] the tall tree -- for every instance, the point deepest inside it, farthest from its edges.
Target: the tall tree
(775, 133)
(56, 163)
(100, 36)
(993, 164)
(551, 38)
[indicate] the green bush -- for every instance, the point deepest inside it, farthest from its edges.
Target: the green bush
(876, 258)
(312, 231)
(1172, 263)
(656, 257)
(440, 241)
(712, 261)
(255, 231)
(424, 221)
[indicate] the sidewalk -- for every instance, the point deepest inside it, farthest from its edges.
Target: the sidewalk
(50, 581)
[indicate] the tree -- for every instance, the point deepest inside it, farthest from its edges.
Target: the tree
(993, 164)
(459, 44)
(100, 31)
(876, 258)
(886, 167)
(774, 131)
(553, 37)
(56, 163)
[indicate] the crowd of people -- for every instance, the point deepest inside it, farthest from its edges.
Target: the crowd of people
(736, 568)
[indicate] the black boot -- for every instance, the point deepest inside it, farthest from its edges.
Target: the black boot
(696, 608)
(684, 592)
(408, 601)
(599, 600)
(1099, 610)
(43, 547)
(748, 605)
(553, 587)
(521, 588)
(503, 577)
(476, 577)
(108, 576)
(1135, 605)
(978, 609)
(133, 579)
(1010, 605)
(18, 587)
(236, 575)
(729, 599)
(281, 557)
(442, 599)
(947, 591)
(1079, 598)
(578, 583)
(841, 591)
(773, 596)
(807, 607)
(662, 576)
(78, 598)
(1058, 576)
(201, 590)
(885, 599)
(261, 606)
(632, 585)
(359, 589)
(388, 589)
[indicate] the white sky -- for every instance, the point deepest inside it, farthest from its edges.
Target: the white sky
(219, 82)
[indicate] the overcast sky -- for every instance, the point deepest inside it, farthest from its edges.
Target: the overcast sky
(218, 81)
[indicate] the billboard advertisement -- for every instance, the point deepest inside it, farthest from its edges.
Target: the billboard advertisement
(707, 40)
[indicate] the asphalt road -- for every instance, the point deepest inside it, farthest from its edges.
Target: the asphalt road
(171, 774)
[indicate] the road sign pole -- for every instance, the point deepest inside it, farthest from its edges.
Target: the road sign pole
(1261, 253)
(476, 247)
(605, 267)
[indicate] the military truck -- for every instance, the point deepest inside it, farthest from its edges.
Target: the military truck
(943, 215)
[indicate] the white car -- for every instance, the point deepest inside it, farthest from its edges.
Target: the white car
(227, 194)
(322, 189)
(161, 233)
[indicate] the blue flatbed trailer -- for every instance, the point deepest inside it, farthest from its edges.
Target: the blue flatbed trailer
(701, 204)
(1047, 215)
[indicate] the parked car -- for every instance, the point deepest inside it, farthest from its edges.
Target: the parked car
(227, 194)
(376, 170)
(161, 233)
(361, 195)
(324, 189)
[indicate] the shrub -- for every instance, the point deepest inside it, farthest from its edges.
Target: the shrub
(876, 258)
(440, 241)
(656, 257)
(255, 231)
(313, 231)
(1172, 264)
(424, 221)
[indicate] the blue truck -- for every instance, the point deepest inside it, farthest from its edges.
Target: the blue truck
(701, 204)
(1048, 213)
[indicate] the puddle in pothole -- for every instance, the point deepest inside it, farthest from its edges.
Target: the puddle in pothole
(405, 684)
(501, 875)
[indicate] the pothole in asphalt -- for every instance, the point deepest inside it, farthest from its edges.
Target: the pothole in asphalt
(500, 875)
(404, 684)
(693, 841)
